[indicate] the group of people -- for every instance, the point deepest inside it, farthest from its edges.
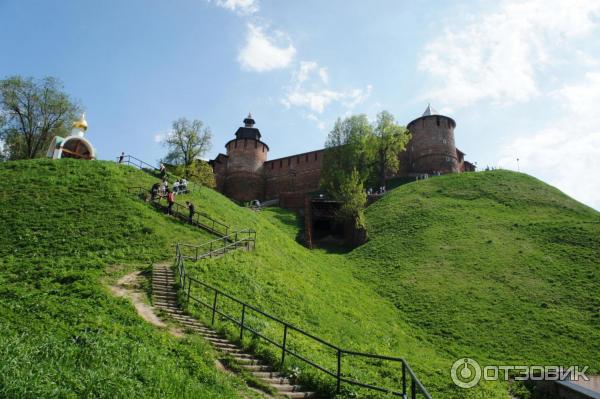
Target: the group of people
(159, 191)
(379, 191)
(180, 186)
(424, 176)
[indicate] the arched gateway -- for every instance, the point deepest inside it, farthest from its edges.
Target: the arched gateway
(75, 146)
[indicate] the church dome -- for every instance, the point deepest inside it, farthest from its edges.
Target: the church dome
(81, 123)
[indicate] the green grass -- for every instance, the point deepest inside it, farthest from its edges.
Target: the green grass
(65, 225)
(496, 266)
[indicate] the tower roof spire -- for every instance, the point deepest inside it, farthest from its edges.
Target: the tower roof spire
(249, 121)
(430, 111)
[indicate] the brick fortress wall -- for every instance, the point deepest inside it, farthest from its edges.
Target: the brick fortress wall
(245, 174)
(296, 173)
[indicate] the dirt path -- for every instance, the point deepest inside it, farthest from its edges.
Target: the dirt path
(129, 287)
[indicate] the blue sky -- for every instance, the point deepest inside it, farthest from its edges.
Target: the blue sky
(521, 78)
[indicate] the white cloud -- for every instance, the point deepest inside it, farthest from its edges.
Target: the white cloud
(263, 53)
(566, 154)
(160, 137)
(240, 6)
(499, 55)
(319, 123)
(309, 89)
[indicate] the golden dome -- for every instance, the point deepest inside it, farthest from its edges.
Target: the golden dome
(81, 123)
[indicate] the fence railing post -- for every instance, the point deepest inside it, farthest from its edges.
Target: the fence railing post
(283, 346)
(339, 370)
(214, 309)
(242, 323)
(403, 379)
(413, 388)
(189, 290)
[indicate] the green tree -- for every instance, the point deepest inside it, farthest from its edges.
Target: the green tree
(199, 172)
(349, 147)
(353, 197)
(34, 112)
(187, 142)
(390, 141)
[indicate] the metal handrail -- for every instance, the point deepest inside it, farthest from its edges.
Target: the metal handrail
(138, 163)
(408, 375)
(210, 224)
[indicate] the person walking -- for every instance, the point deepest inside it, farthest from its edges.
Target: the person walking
(122, 157)
(154, 191)
(170, 202)
(183, 185)
(163, 171)
(192, 210)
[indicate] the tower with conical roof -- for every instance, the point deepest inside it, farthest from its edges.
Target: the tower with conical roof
(431, 148)
(246, 154)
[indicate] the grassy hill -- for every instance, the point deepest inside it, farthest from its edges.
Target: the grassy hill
(497, 266)
(68, 226)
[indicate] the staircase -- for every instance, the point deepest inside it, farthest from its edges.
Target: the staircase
(164, 297)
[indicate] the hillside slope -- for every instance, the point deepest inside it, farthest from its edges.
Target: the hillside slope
(497, 266)
(67, 227)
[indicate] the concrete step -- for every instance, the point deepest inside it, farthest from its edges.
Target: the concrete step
(266, 375)
(299, 395)
(164, 295)
(256, 367)
(286, 387)
(273, 381)
(224, 345)
(216, 340)
(243, 356)
(231, 351)
(246, 361)
(165, 304)
(176, 311)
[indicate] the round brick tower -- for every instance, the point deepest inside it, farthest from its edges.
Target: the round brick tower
(246, 155)
(431, 148)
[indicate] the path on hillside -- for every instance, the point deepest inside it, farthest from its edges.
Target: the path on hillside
(164, 297)
(128, 287)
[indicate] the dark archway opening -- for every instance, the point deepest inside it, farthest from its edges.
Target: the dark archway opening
(76, 148)
(327, 229)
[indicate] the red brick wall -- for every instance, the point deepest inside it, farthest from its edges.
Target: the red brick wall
(220, 171)
(297, 173)
(294, 201)
(244, 186)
